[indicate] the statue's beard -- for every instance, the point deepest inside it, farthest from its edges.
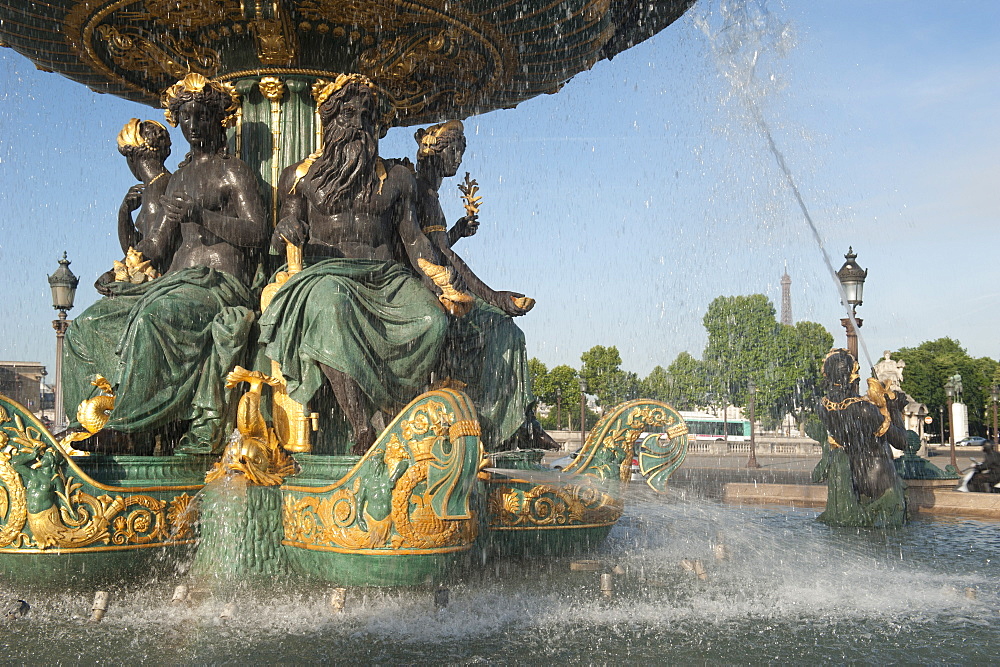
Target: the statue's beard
(346, 169)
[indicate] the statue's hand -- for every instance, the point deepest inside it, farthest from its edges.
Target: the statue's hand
(179, 207)
(289, 230)
(505, 301)
(467, 226)
(102, 282)
(133, 198)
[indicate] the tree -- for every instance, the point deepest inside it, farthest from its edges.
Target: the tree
(930, 364)
(689, 387)
(604, 378)
(742, 347)
(798, 381)
(657, 385)
(538, 373)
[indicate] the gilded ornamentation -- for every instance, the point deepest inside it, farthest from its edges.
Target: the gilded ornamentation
(455, 302)
(514, 505)
(469, 190)
(135, 268)
(134, 49)
(253, 450)
(94, 413)
(41, 507)
(404, 494)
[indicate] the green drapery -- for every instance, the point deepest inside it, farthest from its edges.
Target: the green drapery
(166, 347)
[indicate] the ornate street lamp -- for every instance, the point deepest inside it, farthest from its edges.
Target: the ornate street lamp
(558, 408)
(583, 411)
(852, 279)
(752, 462)
(63, 285)
(995, 395)
(949, 392)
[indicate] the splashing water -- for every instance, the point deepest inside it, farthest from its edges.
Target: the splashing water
(741, 35)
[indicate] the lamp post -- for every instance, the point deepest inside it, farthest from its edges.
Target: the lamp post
(949, 392)
(558, 408)
(63, 285)
(752, 461)
(852, 278)
(583, 410)
(995, 395)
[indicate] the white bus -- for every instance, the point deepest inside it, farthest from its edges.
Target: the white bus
(703, 426)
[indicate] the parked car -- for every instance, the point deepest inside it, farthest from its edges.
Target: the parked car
(564, 461)
(971, 441)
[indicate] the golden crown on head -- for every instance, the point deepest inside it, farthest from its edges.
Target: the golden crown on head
(322, 89)
(130, 135)
(195, 83)
(429, 138)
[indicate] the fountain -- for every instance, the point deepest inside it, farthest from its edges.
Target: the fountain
(678, 580)
(350, 461)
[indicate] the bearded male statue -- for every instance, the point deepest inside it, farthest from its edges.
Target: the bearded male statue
(372, 326)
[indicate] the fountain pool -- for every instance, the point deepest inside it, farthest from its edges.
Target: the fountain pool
(790, 590)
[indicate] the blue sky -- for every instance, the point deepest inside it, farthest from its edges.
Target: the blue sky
(629, 200)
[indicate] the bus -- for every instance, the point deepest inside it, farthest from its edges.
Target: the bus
(703, 426)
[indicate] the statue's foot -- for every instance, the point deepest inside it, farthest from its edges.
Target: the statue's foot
(364, 441)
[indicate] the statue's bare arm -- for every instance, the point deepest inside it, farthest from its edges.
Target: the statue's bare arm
(292, 226)
(501, 299)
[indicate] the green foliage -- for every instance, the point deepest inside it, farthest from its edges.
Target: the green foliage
(930, 364)
(604, 377)
(690, 387)
(657, 385)
(538, 373)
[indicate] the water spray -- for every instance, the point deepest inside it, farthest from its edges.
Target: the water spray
(607, 585)
(441, 597)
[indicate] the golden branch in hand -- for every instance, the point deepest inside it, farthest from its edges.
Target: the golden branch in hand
(469, 189)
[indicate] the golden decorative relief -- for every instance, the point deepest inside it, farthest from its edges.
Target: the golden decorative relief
(272, 88)
(134, 49)
(44, 508)
(549, 506)
(253, 451)
(388, 505)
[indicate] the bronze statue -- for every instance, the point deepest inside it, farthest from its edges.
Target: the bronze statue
(166, 345)
(864, 489)
(486, 350)
(146, 146)
(357, 314)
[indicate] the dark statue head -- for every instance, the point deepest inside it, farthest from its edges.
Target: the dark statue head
(443, 145)
(345, 169)
(139, 138)
(841, 371)
(203, 109)
(220, 98)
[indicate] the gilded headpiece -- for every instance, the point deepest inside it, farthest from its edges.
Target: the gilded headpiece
(131, 135)
(196, 87)
(429, 139)
(322, 89)
(855, 368)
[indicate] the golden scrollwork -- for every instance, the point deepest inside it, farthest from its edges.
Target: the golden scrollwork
(388, 504)
(512, 506)
(58, 513)
(134, 49)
